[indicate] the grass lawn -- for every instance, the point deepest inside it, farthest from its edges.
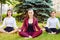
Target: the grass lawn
(15, 36)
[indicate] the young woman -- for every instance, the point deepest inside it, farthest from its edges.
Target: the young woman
(30, 28)
(10, 23)
(52, 22)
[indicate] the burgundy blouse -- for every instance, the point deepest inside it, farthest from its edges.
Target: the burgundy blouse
(35, 24)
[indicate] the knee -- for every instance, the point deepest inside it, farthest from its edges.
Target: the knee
(40, 31)
(20, 33)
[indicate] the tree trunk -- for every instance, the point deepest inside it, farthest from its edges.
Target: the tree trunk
(1, 13)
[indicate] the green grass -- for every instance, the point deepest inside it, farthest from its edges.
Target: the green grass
(15, 36)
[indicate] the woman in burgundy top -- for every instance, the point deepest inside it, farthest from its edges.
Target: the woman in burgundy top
(30, 28)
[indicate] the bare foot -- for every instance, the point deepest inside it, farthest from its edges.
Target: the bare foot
(43, 29)
(28, 37)
(52, 33)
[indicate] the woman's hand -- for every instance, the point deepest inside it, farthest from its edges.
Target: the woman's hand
(19, 30)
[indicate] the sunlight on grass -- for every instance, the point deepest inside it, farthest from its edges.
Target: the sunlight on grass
(15, 36)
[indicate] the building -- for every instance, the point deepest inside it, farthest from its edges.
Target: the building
(56, 5)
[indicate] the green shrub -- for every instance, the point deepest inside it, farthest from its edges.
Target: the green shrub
(14, 15)
(3, 16)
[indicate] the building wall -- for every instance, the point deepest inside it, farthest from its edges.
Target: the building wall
(56, 5)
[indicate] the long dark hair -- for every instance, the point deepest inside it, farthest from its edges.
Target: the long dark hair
(11, 12)
(26, 12)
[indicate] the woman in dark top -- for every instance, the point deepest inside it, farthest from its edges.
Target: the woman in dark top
(30, 28)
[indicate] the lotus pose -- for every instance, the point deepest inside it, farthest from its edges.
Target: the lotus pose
(9, 23)
(52, 22)
(30, 28)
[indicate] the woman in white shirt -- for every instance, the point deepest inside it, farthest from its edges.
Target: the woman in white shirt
(10, 23)
(52, 22)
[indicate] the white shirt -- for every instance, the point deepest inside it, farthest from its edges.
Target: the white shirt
(52, 22)
(9, 22)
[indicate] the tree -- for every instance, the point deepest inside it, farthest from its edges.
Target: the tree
(6, 2)
(1, 10)
(41, 7)
(2, 2)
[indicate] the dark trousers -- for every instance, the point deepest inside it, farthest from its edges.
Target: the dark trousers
(49, 30)
(9, 29)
